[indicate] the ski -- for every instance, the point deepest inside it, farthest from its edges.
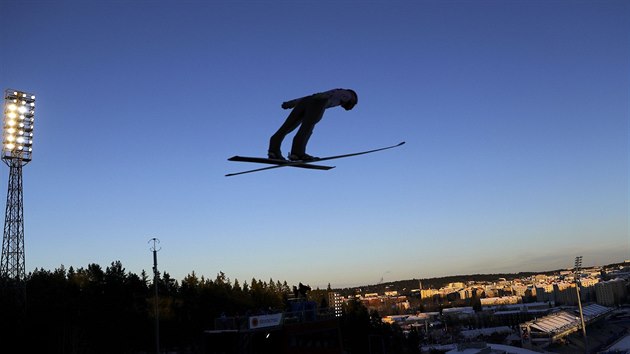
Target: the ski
(277, 162)
(358, 153)
(283, 163)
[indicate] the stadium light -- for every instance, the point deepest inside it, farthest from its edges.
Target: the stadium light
(18, 123)
(577, 274)
(17, 149)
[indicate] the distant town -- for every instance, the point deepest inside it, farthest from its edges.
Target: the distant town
(548, 311)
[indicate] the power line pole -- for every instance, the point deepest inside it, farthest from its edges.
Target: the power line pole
(156, 276)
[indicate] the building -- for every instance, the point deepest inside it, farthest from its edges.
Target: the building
(455, 285)
(485, 332)
(587, 289)
(544, 293)
(565, 293)
(521, 290)
(610, 293)
(428, 293)
(555, 327)
(385, 305)
(622, 346)
(335, 302)
(504, 300)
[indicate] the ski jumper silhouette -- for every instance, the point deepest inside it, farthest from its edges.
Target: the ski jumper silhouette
(307, 111)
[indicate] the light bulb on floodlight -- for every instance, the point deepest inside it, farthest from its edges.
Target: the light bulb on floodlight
(11, 115)
(22, 109)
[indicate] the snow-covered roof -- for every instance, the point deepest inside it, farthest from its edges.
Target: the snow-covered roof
(556, 322)
(472, 333)
(595, 310)
(622, 344)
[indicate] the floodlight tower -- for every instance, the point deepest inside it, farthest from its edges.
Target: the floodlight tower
(17, 148)
(578, 272)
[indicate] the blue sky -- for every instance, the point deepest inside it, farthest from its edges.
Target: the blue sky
(515, 115)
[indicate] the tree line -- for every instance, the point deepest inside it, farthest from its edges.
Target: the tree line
(96, 310)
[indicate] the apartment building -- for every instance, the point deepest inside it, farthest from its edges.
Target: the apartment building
(612, 292)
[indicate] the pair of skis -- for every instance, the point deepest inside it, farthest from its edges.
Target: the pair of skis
(300, 164)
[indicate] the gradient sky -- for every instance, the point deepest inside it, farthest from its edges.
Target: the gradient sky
(515, 115)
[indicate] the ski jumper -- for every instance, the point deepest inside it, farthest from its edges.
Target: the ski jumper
(307, 111)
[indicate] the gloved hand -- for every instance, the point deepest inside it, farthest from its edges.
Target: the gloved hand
(290, 104)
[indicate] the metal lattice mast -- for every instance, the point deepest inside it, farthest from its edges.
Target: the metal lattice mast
(17, 148)
(13, 260)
